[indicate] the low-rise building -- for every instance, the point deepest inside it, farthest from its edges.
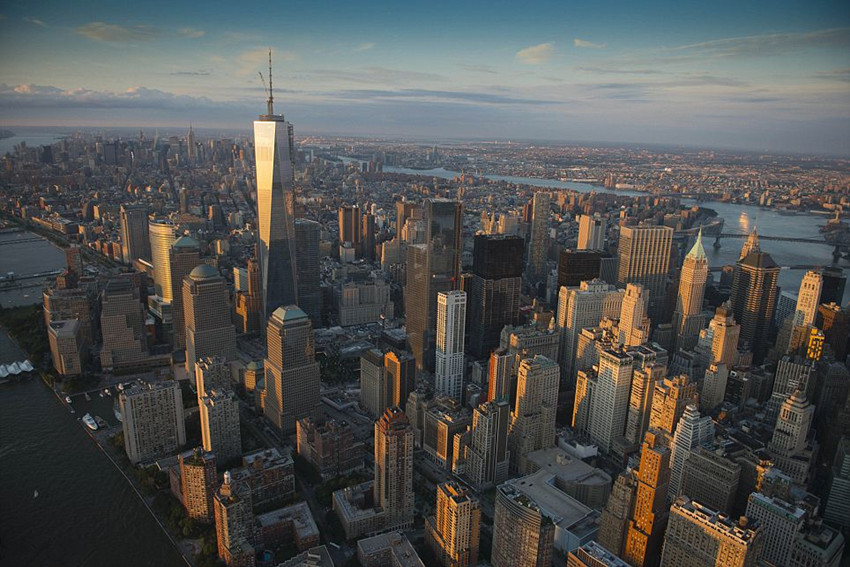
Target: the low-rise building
(329, 446)
(292, 524)
(392, 549)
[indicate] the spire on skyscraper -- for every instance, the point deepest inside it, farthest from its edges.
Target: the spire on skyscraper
(751, 245)
(698, 251)
(271, 95)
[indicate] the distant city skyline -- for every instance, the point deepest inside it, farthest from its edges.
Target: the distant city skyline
(758, 76)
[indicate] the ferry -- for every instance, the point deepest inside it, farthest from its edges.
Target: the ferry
(68, 399)
(90, 422)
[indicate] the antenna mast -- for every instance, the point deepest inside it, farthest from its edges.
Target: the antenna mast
(271, 97)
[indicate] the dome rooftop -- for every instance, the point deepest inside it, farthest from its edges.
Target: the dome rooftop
(203, 272)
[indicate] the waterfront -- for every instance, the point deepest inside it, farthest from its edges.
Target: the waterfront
(738, 219)
(32, 139)
(26, 253)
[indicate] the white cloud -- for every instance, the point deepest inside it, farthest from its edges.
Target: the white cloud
(366, 46)
(101, 31)
(536, 54)
(584, 44)
(191, 33)
(35, 21)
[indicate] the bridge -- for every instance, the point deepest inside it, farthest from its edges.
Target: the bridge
(773, 238)
(804, 267)
(12, 277)
(21, 241)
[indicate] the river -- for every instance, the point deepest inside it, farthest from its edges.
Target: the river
(26, 253)
(32, 139)
(739, 218)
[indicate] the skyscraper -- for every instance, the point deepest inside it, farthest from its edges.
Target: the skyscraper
(634, 324)
(183, 257)
(152, 420)
(162, 237)
(576, 266)
(582, 307)
(500, 371)
(643, 541)
(522, 535)
(453, 532)
(610, 401)
(249, 304)
(394, 469)
(211, 373)
(671, 397)
(538, 246)
(198, 484)
(591, 232)
(307, 236)
(122, 322)
(135, 240)
(451, 327)
(789, 445)
(808, 299)
(725, 334)
(687, 318)
(206, 305)
(834, 282)
(292, 373)
(349, 226)
(614, 521)
(275, 162)
(533, 419)
(234, 521)
(693, 431)
(754, 297)
(698, 536)
(488, 458)
(431, 268)
(220, 425)
(780, 521)
(494, 290)
(644, 258)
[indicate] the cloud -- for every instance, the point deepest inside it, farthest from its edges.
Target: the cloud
(373, 74)
(101, 31)
(584, 44)
(365, 46)
(191, 73)
(35, 21)
(437, 95)
(44, 96)
(835, 74)
(619, 71)
(536, 54)
(769, 44)
(191, 33)
(478, 68)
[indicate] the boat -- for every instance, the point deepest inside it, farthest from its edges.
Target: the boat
(117, 413)
(107, 392)
(68, 399)
(90, 422)
(34, 494)
(88, 398)
(120, 387)
(100, 394)
(101, 423)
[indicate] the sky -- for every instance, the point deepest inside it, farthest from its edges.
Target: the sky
(746, 74)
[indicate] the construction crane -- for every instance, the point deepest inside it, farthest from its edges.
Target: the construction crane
(268, 90)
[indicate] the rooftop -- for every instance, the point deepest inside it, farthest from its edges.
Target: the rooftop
(403, 553)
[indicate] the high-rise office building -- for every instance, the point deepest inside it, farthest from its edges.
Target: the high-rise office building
(249, 303)
(538, 245)
(609, 405)
(234, 523)
(713, 386)
(206, 306)
(386, 379)
(393, 488)
(183, 257)
(670, 398)
(837, 508)
(576, 266)
(522, 535)
(834, 282)
(211, 373)
(646, 529)
(494, 290)
(488, 458)
(307, 236)
(780, 523)
(754, 297)
(367, 240)
(152, 420)
(292, 373)
(431, 268)
(274, 150)
(634, 324)
(162, 237)
(725, 334)
(650, 367)
(790, 448)
(451, 328)
(349, 226)
(698, 536)
(220, 425)
(533, 418)
(452, 532)
(614, 521)
(808, 299)
(687, 318)
(198, 483)
(591, 232)
(500, 373)
(582, 307)
(692, 431)
(713, 478)
(122, 322)
(592, 554)
(644, 258)
(135, 240)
